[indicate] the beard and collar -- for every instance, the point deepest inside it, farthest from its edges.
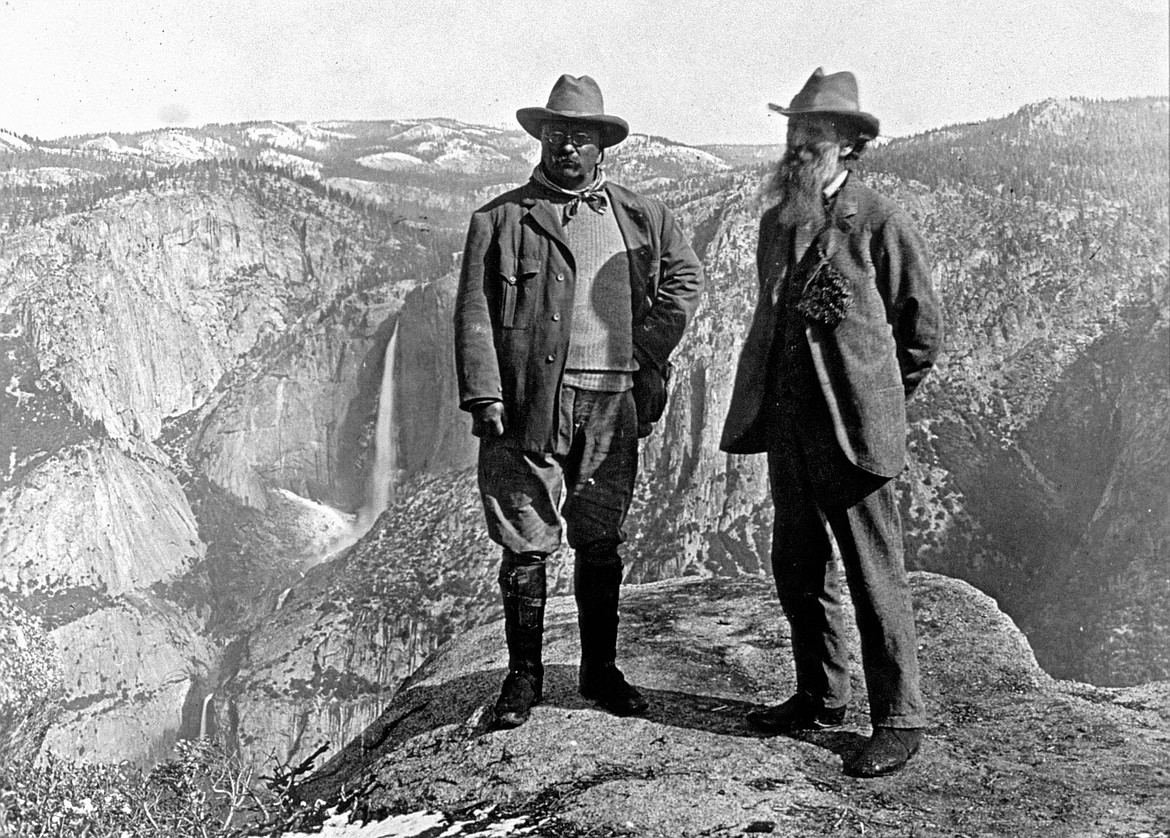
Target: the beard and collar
(797, 185)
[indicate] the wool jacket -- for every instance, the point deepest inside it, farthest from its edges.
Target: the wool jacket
(514, 306)
(869, 363)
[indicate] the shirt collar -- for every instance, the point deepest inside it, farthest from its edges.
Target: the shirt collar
(836, 183)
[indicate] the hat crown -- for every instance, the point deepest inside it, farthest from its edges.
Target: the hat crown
(835, 92)
(577, 99)
(576, 96)
(835, 96)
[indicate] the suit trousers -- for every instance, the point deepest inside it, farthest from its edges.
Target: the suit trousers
(820, 496)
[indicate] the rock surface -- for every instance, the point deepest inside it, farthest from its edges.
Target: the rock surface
(30, 681)
(127, 671)
(99, 521)
(1009, 751)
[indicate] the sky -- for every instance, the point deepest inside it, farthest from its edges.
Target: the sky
(690, 70)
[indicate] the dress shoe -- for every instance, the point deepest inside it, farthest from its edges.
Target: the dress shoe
(797, 713)
(606, 685)
(887, 751)
(516, 699)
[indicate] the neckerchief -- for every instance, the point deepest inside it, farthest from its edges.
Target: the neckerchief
(593, 195)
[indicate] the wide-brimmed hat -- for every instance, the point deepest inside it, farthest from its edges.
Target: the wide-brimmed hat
(575, 99)
(833, 95)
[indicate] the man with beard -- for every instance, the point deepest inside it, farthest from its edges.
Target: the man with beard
(846, 327)
(574, 292)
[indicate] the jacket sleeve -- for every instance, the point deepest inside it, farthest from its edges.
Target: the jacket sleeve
(476, 365)
(680, 283)
(914, 309)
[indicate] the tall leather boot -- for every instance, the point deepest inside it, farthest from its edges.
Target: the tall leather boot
(597, 581)
(523, 587)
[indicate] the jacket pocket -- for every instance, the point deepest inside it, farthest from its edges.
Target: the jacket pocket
(508, 306)
(517, 288)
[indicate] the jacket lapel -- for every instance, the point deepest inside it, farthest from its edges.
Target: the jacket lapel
(545, 215)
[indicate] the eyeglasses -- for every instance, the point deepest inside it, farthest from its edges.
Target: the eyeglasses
(577, 138)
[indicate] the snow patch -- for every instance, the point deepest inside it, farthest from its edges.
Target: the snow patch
(109, 145)
(418, 824)
(390, 161)
(180, 146)
(426, 131)
(298, 136)
(299, 165)
(10, 140)
(649, 148)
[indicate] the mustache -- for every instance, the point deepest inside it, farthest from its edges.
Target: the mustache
(801, 154)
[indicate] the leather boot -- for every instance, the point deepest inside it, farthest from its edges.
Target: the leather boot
(523, 588)
(596, 585)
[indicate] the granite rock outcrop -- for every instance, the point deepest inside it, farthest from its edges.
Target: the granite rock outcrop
(1008, 750)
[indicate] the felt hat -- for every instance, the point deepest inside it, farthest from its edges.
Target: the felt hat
(574, 100)
(834, 96)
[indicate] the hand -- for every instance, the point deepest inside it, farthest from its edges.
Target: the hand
(488, 420)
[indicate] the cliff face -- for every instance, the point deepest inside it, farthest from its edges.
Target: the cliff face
(433, 433)
(127, 671)
(1008, 750)
(196, 339)
(96, 520)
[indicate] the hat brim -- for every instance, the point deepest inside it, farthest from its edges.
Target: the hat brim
(613, 129)
(868, 123)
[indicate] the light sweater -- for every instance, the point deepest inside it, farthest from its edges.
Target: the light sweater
(601, 346)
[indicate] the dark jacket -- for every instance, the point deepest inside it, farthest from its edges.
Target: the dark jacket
(869, 363)
(514, 307)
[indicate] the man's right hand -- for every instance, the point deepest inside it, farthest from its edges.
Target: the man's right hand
(488, 420)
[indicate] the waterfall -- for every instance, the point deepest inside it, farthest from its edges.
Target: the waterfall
(384, 471)
(205, 716)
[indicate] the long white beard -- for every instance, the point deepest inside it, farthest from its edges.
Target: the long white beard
(797, 185)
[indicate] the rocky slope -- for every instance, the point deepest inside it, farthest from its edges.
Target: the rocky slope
(1009, 751)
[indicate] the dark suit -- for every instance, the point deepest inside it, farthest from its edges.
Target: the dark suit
(821, 387)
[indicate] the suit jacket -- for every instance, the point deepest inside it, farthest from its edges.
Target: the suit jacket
(514, 306)
(867, 365)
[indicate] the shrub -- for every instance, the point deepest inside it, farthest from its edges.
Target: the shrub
(201, 792)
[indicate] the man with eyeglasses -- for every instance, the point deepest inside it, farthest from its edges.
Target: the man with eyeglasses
(574, 291)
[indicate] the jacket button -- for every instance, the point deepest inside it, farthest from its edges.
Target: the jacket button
(560, 277)
(556, 317)
(511, 280)
(551, 358)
